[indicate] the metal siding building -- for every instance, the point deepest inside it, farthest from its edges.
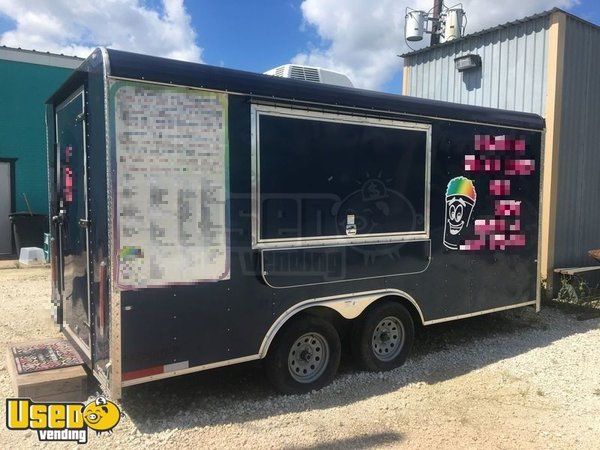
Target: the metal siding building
(547, 64)
(578, 199)
(27, 78)
(512, 77)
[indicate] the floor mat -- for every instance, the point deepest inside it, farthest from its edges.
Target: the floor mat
(45, 356)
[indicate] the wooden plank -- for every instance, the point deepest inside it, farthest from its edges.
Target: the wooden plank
(73, 396)
(575, 270)
(405, 79)
(554, 74)
(64, 384)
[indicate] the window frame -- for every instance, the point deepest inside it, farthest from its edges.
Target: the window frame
(257, 110)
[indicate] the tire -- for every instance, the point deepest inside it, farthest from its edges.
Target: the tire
(383, 337)
(304, 356)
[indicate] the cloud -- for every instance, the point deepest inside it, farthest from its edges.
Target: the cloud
(76, 27)
(362, 37)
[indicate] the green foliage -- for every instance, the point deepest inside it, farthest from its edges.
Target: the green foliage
(576, 290)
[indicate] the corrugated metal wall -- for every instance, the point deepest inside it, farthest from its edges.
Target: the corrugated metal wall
(578, 202)
(512, 76)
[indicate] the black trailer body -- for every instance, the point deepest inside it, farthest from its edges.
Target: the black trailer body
(199, 210)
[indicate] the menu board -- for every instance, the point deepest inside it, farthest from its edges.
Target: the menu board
(171, 170)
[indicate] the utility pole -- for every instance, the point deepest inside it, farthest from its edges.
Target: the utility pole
(435, 27)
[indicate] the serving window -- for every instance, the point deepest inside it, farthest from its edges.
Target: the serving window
(325, 178)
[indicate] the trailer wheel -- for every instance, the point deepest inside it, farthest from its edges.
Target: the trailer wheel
(383, 338)
(304, 356)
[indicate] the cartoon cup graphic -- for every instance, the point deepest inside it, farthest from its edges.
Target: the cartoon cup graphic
(460, 200)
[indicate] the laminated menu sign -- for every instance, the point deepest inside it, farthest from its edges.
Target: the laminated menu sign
(171, 162)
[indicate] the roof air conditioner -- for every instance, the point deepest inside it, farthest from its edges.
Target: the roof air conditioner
(307, 73)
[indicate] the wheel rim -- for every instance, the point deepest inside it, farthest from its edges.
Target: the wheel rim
(308, 357)
(388, 338)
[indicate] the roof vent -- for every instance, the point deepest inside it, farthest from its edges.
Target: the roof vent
(279, 71)
(308, 73)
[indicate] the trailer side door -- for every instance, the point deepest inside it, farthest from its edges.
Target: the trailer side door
(73, 218)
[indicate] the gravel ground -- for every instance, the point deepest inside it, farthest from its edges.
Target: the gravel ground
(511, 380)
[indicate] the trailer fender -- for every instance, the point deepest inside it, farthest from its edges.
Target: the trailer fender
(349, 306)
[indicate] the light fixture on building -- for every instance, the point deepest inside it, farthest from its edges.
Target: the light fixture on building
(467, 62)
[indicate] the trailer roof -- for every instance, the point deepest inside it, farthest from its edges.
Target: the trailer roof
(267, 87)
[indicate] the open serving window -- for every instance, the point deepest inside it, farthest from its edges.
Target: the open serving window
(331, 179)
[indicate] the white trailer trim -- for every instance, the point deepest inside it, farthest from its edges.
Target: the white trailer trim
(348, 306)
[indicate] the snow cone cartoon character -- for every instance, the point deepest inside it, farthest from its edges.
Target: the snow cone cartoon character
(460, 200)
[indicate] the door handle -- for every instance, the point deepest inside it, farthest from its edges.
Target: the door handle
(350, 225)
(84, 223)
(60, 217)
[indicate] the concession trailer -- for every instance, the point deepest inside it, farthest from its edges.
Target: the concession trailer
(203, 217)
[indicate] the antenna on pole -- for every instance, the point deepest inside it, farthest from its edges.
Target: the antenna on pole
(446, 24)
(435, 24)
